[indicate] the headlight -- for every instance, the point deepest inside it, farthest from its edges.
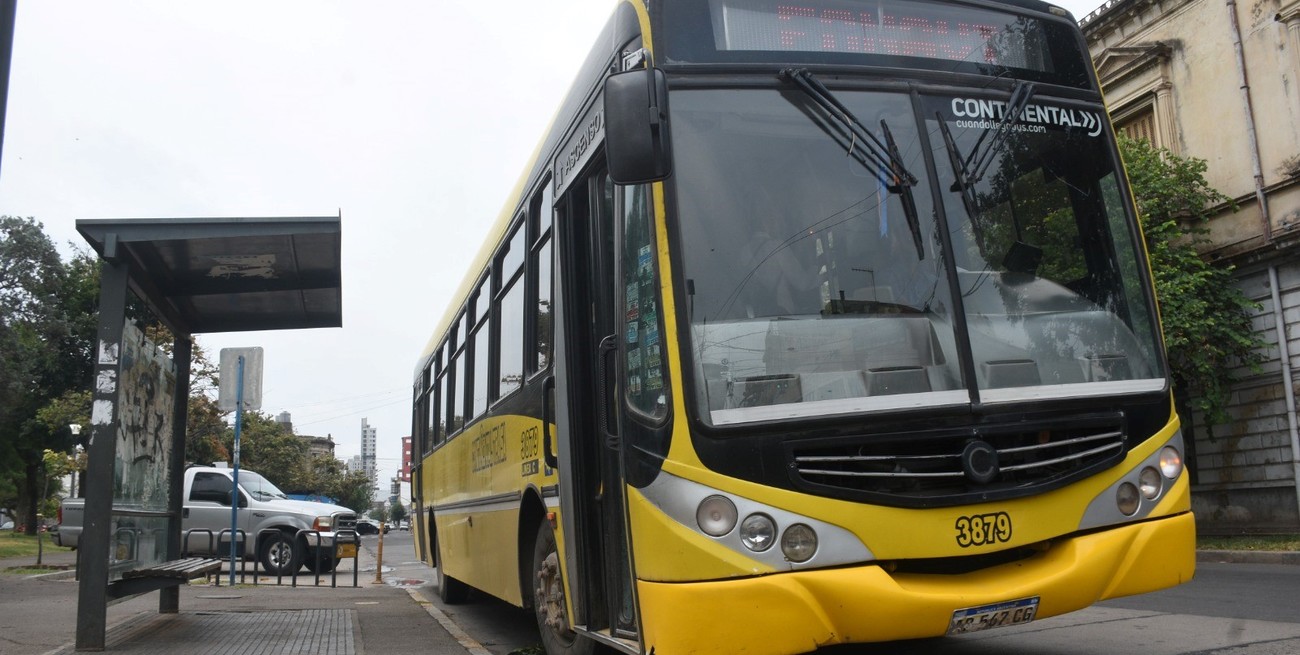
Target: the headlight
(1171, 462)
(716, 516)
(1150, 483)
(758, 532)
(799, 543)
(1127, 499)
(322, 523)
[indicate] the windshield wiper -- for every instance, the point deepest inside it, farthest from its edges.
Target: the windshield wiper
(1021, 94)
(909, 203)
(971, 170)
(963, 184)
(881, 159)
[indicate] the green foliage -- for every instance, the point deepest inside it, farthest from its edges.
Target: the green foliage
(378, 514)
(269, 449)
(349, 489)
(1206, 318)
(47, 332)
(397, 513)
(206, 432)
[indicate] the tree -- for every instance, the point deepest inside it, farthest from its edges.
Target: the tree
(266, 447)
(1206, 317)
(205, 432)
(47, 332)
(397, 513)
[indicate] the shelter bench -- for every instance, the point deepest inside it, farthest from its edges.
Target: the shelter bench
(159, 576)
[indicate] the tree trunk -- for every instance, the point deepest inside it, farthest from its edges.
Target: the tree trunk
(31, 499)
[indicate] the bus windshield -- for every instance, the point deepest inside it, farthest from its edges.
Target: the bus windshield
(817, 285)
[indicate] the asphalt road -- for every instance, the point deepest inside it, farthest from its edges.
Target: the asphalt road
(1229, 609)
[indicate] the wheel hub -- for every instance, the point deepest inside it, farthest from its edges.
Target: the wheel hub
(549, 595)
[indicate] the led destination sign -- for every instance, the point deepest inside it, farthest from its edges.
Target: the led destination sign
(928, 30)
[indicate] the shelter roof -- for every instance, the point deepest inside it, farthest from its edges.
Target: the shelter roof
(230, 274)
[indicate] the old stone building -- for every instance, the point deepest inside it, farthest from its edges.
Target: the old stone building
(1220, 80)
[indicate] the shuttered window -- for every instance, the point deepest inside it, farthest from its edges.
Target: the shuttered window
(1140, 125)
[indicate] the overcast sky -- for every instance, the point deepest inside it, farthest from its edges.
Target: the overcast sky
(413, 118)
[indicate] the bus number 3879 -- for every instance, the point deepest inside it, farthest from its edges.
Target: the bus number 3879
(983, 529)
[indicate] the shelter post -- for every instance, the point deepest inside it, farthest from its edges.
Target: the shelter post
(92, 602)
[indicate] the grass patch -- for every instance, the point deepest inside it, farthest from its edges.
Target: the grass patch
(1267, 542)
(14, 544)
(34, 570)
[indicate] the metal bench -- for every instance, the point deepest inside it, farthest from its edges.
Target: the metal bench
(159, 576)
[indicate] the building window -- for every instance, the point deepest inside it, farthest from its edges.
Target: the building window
(1140, 125)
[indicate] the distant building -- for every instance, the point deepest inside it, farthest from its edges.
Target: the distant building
(316, 446)
(320, 446)
(369, 435)
(405, 474)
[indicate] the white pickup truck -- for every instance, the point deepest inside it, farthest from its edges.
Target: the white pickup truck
(262, 506)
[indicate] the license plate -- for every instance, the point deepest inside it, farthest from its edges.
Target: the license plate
(1012, 612)
(344, 551)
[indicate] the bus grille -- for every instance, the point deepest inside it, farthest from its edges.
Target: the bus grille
(933, 469)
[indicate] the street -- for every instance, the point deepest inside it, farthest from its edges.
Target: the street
(1237, 609)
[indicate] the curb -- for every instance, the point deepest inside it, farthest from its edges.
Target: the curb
(1249, 557)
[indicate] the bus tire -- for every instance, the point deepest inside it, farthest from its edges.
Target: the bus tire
(549, 606)
(450, 590)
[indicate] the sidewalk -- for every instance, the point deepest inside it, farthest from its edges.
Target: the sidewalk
(38, 616)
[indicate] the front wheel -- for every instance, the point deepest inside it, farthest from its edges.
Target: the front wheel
(326, 564)
(549, 606)
(280, 555)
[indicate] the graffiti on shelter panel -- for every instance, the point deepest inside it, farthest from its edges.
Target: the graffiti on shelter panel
(145, 406)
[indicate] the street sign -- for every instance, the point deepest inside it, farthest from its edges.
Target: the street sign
(228, 391)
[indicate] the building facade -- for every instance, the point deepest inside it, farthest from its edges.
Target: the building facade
(405, 474)
(369, 438)
(1217, 80)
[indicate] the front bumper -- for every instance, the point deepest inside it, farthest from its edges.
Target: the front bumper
(801, 611)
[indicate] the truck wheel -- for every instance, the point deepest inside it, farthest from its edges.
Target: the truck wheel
(450, 590)
(549, 606)
(327, 564)
(280, 556)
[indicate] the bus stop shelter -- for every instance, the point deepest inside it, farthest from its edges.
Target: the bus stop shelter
(195, 276)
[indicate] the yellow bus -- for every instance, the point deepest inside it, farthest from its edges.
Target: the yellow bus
(811, 322)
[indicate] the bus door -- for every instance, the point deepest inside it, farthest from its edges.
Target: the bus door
(591, 477)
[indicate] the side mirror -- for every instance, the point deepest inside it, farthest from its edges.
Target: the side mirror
(636, 126)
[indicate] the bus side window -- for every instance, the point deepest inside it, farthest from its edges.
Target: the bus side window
(509, 315)
(455, 405)
(436, 426)
(539, 277)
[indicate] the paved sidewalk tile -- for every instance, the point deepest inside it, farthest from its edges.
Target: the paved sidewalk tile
(281, 632)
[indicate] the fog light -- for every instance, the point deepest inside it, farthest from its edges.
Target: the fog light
(716, 515)
(1127, 498)
(758, 532)
(1149, 483)
(1171, 462)
(799, 543)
